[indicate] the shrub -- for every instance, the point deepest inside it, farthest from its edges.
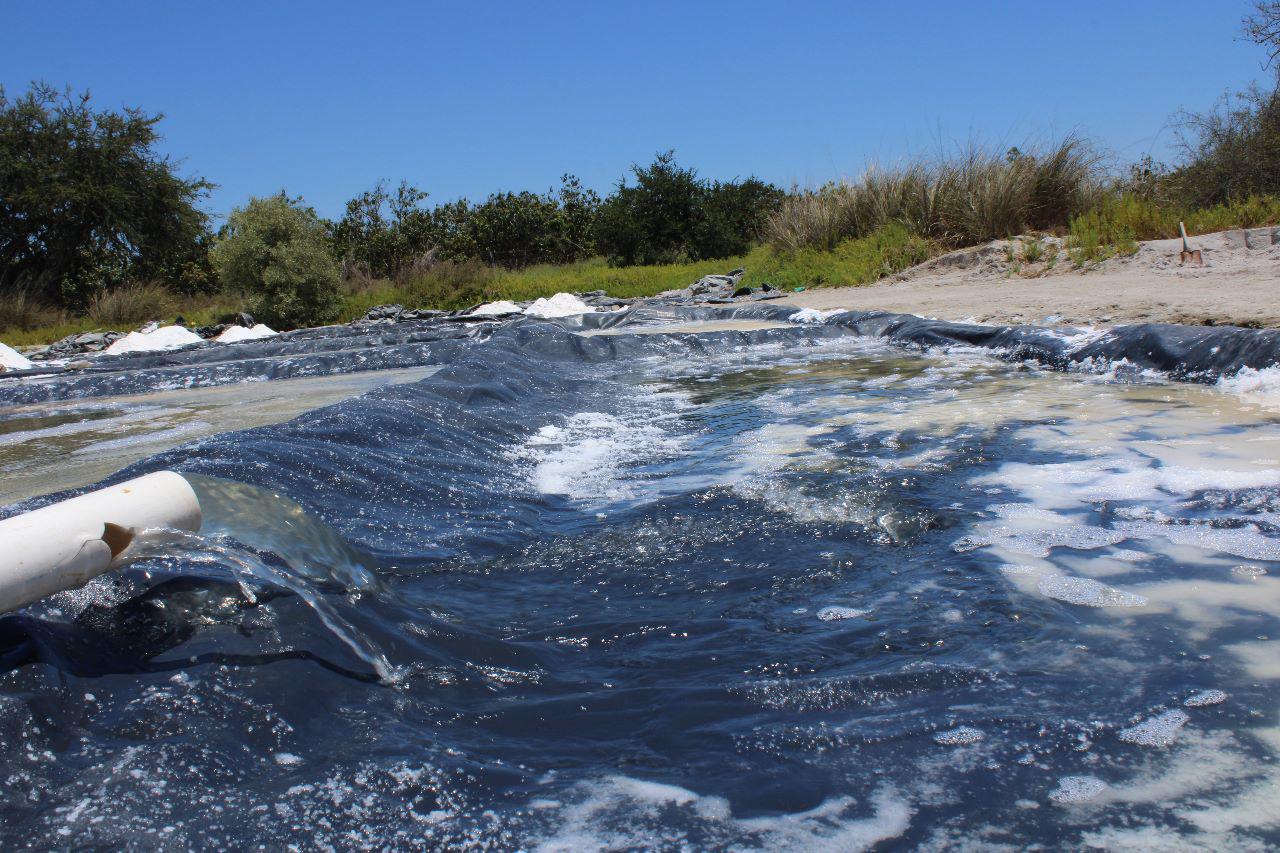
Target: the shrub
(975, 196)
(1231, 151)
(131, 304)
(671, 215)
(276, 250)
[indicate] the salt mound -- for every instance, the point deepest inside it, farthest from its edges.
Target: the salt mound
(165, 337)
(496, 309)
(11, 359)
(239, 333)
(560, 305)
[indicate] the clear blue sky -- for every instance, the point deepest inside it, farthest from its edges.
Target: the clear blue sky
(324, 98)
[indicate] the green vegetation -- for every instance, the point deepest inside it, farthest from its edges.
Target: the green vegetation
(275, 249)
(87, 203)
(672, 216)
(959, 201)
(98, 230)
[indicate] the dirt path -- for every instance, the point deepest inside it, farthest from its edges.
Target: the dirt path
(1239, 284)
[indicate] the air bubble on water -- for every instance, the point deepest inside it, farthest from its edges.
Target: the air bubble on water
(1160, 730)
(1205, 698)
(1077, 789)
(836, 613)
(1249, 571)
(958, 736)
(1087, 592)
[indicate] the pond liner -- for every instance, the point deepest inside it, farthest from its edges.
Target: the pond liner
(1188, 353)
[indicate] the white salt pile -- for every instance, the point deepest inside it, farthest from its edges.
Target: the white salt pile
(496, 309)
(232, 334)
(165, 337)
(560, 305)
(11, 359)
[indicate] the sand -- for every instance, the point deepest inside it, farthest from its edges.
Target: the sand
(1239, 284)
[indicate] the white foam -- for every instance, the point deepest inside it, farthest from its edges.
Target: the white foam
(560, 305)
(1087, 592)
(11, 359)
(836, 613)
(496, 309)
(959, 736)
(232, 334)
(1261, 387)
(813, 315)
(1160, 730)
(163, 338)
(586, 458)
(1077, 789)
(1205, 698)
(620, 813)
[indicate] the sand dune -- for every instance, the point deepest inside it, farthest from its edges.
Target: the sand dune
(1239, 284)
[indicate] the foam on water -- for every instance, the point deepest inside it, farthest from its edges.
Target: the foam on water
(1077, 789)
(794, 595)
(1160, 730)
(1087, 592)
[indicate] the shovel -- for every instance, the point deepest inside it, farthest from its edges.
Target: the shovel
(1187, 253)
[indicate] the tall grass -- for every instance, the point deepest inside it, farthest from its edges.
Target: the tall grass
(131, 304)
(22, 310)
(1119, 220)
(970, 198)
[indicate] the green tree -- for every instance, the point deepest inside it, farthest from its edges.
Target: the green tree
(276, 250)
(670, 215)
(86, 201)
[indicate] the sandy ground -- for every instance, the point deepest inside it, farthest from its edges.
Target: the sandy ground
(1239, 284)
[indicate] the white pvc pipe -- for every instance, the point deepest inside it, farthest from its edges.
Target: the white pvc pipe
(65, 545)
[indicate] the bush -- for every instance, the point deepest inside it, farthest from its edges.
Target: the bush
(1231, 151)
(672, 216)
(276, 250)
(971, 198)
(385, 235)
(131, 304)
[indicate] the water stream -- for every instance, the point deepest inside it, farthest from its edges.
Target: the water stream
(789, 593)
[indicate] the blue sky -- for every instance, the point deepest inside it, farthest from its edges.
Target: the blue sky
(322, 99)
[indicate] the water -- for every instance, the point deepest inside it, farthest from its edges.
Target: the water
(786, 591)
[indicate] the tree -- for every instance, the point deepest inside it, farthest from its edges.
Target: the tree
(276, 250)
(86, 201)
(1263, 28)
(379, 243)
(670, 215)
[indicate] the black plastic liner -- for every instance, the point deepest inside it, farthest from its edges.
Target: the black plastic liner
(1193, 353)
